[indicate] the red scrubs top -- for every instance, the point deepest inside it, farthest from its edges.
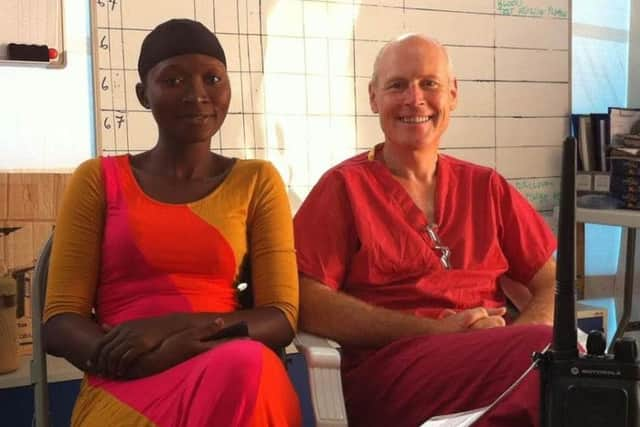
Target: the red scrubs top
(360, 232)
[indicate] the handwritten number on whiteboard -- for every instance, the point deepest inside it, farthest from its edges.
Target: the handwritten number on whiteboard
(104, 84)
(119, 120)
(103, 43)
(113, 3)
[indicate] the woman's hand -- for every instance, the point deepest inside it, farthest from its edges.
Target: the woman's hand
(175, 349)
(122, 345)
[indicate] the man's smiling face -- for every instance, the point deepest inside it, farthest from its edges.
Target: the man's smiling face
(413, 92)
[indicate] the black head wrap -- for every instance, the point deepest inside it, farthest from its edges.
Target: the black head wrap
(177, 37)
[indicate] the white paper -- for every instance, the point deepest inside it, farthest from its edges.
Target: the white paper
(461, 419)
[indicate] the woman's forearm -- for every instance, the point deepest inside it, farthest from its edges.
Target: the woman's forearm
(268, 325)
(73, 337)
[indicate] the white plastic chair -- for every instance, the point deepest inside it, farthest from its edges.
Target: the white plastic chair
(325, 381)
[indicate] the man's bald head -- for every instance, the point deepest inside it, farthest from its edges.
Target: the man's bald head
(413, 91)
(410, 38)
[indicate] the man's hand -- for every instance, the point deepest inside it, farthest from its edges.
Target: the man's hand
(325, 313)
(122, 345)
(474, 318)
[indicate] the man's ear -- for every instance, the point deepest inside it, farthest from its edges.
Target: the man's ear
(372, 98)
(141, 95)
(453, 94)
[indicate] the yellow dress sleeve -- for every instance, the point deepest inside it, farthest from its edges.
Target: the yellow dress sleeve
(272, 254)
(76, 252)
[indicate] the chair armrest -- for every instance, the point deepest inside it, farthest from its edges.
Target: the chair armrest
(325, 381)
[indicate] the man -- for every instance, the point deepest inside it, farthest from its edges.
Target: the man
(400, 251)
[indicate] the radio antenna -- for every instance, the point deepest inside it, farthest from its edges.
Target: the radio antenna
(564, 345)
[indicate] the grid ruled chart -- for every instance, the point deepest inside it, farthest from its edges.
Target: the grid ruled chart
(299, 72)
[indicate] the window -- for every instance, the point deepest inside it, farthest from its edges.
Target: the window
(600, 70)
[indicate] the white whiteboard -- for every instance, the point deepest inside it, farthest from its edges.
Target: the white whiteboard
(46, 113)
(32, 22)
(299, 72)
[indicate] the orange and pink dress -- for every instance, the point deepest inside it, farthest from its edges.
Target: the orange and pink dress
(124, 256)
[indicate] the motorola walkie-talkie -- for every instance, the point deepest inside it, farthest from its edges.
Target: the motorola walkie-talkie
(596, 389)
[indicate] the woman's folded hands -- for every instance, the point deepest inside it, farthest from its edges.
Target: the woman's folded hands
(143, 347)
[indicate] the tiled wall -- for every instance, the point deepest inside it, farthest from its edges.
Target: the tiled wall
(29, 201)
(299, 71)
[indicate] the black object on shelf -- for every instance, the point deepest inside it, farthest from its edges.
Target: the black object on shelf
(5, 231)
(22, 283)
(28, 52)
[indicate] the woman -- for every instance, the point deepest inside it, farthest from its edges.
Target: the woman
(155, 243)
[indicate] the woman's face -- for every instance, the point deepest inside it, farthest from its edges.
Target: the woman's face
(189, 97)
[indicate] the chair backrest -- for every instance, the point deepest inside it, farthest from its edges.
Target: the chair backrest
(39, 358)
